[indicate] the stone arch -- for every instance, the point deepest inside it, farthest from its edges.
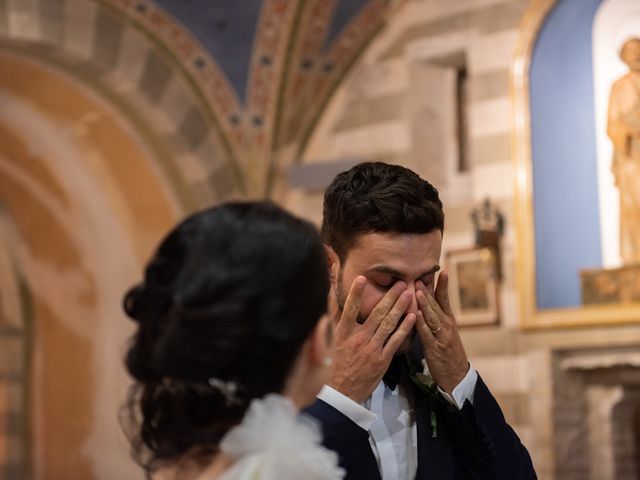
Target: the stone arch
(14, 347)
(89, 205)
(94, 168)
(133, 55)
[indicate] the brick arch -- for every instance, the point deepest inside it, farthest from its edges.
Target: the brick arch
(14, 343)
(12, 308)
(89, 206)
(124, 54)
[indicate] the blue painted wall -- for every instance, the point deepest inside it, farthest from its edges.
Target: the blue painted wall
(567, 234)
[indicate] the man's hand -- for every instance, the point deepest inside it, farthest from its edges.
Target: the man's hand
(364, 351)
(443, 349)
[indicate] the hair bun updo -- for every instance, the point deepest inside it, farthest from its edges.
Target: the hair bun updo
(231, 294)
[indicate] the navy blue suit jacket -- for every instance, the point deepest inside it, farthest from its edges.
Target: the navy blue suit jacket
(475, 443)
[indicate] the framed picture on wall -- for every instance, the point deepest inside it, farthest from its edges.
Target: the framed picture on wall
(473, 286)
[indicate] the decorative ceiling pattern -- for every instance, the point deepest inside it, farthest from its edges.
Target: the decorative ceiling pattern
(266, 67)
(225, 29)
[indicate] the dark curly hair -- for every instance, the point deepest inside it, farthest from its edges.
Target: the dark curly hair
(378, 197)
(231, 293)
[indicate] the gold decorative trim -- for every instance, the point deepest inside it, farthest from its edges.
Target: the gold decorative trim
(530, 25)
(531, 316)
(583, 316)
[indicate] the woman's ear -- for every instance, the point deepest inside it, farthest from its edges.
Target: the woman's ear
(321, 345)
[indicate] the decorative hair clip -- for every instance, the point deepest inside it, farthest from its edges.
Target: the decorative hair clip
(228, 389)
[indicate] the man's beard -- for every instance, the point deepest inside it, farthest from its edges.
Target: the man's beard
(341, 298)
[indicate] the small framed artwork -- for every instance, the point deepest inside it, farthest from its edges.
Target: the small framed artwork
(473, 286)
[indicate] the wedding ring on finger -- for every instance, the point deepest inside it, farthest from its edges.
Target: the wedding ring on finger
(437, 329)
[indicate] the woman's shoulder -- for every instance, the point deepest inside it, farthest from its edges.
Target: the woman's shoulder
(274, 442)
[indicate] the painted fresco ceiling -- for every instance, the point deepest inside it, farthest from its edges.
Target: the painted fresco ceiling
(227, 29)
(254, 76)
(272, 65)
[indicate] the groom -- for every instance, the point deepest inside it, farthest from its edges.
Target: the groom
(383, 228)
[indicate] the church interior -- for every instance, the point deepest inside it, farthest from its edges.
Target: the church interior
(120, 117)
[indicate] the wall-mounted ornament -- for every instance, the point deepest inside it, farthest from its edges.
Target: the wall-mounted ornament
(488, 223)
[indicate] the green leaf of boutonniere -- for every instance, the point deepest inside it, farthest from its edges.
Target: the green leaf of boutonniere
(430, 393)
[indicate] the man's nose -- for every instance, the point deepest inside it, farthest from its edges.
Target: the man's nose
(413, 307)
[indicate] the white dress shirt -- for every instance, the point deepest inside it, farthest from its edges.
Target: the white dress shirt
(389, 418)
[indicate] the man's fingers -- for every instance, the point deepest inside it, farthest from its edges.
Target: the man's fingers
(433, 315)
(399, 336)
(351, 309)
(384, 306)
(435, 306)
(388, 324)
(426, 336)
(442, 293)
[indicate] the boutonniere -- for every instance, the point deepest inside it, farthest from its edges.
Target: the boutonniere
(430, 393)
(429, 390)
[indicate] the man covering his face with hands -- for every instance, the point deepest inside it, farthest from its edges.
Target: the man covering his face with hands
(383, 227)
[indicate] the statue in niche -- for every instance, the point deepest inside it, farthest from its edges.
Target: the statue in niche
(624, 130)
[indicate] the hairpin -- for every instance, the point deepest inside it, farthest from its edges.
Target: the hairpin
(228, 389)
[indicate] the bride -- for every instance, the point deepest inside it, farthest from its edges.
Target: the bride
(233, 340)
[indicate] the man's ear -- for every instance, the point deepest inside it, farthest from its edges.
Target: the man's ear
(333, 261)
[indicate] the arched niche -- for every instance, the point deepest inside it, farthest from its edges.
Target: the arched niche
(554, 147)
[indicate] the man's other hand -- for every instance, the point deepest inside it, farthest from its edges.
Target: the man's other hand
(436, 325)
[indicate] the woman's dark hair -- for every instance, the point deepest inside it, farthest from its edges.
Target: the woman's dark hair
(378, 197)
(230, 296)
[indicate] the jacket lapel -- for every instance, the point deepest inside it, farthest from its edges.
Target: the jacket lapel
(434, 454)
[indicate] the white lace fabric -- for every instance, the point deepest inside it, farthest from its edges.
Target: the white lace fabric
(273, 442)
